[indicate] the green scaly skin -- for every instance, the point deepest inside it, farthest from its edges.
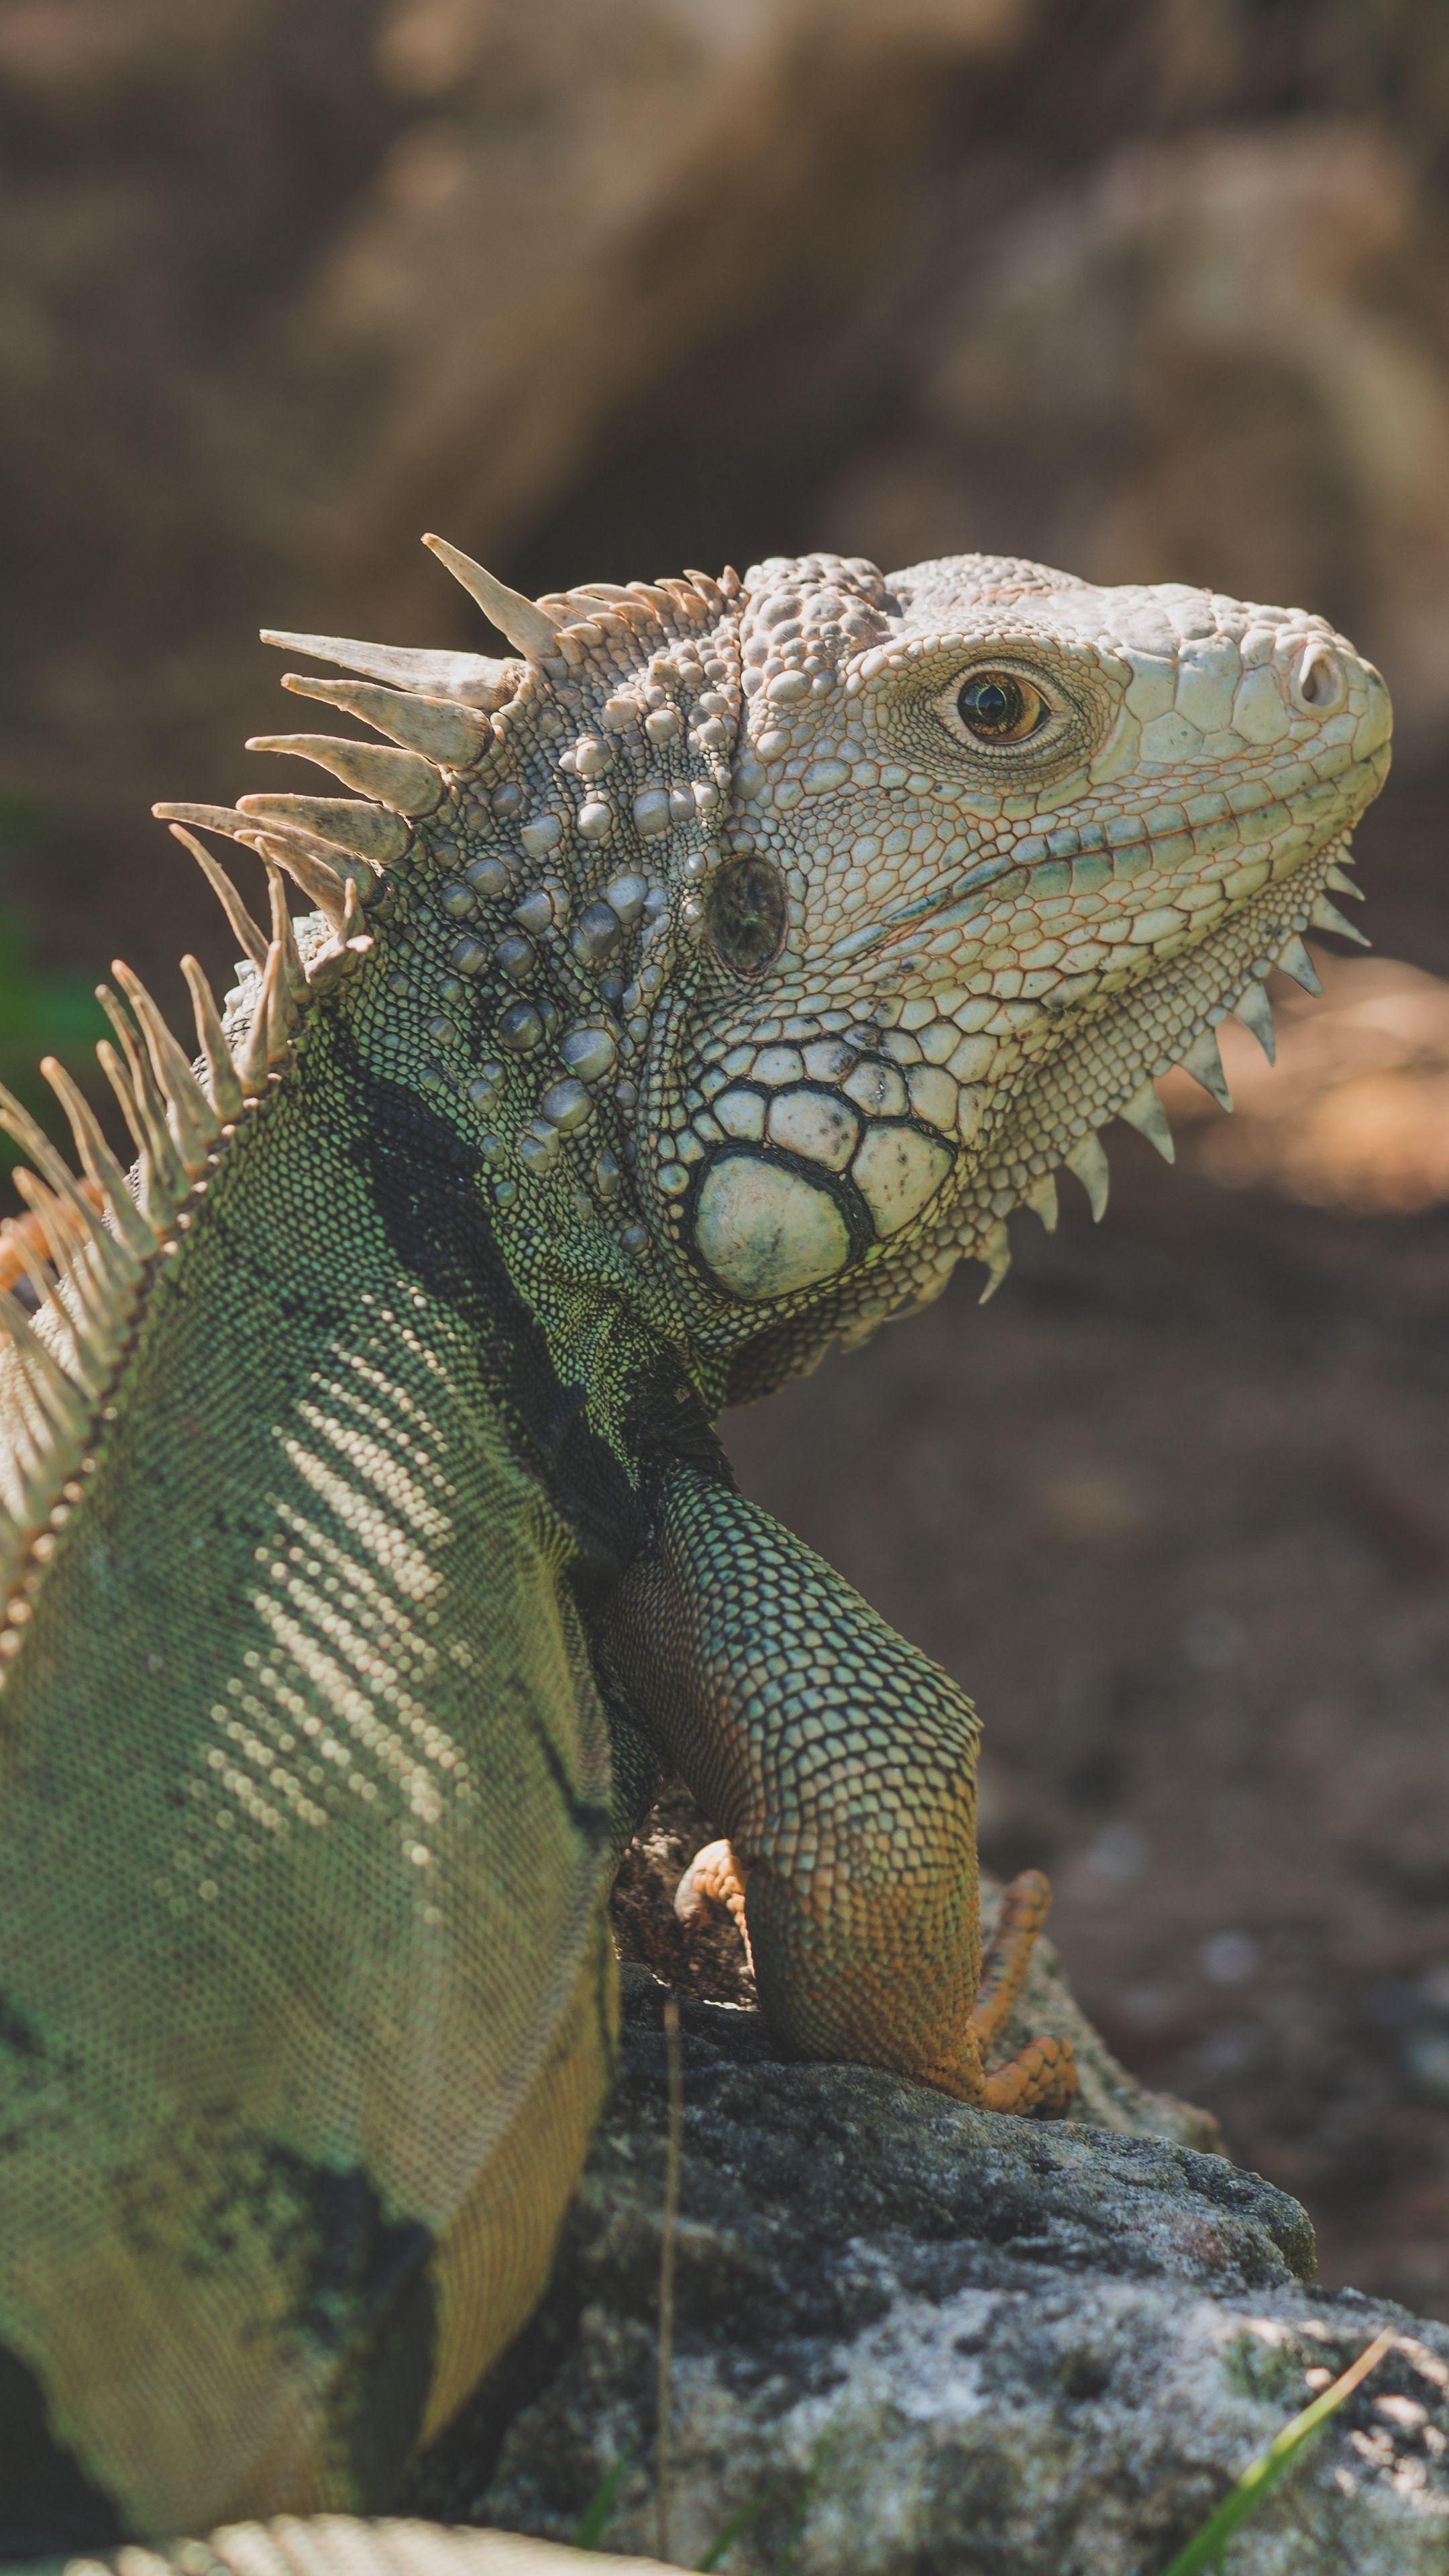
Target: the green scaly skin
(727, 966)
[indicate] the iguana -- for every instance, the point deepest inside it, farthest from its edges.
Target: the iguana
(681, 994)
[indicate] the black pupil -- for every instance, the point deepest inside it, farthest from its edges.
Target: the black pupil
(992, 706)
(747, 915)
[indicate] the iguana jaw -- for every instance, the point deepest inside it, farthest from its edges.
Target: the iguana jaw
(1071, 1085)
(1106, 1066)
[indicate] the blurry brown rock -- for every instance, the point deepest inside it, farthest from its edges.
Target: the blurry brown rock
(283, 290)
(1211, 359)
(601, 284)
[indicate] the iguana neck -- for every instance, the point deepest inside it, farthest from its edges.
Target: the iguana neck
(537, 944)
(466, 1176)
(579, 1340)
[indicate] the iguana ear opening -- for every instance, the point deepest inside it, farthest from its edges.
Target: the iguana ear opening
(746, 915)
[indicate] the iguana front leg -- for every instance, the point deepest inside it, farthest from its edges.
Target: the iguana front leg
(841, 1763)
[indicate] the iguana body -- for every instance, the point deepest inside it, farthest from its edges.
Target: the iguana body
(726, 966)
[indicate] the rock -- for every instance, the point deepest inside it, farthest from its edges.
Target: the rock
(439, 247)
(1215, 412)
(911, 2335)
(597, 284)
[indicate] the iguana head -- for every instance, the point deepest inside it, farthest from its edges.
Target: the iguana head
(777, 939)
(1002, 847)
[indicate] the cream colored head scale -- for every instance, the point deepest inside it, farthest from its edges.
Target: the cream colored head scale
(1003, 847)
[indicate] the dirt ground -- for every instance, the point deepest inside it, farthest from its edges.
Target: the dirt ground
(1175, 1509)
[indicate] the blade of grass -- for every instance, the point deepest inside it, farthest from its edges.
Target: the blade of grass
(598, 2513)
(806, 2498)
(739, 2522)
(750, 2511)
(1207, 2545)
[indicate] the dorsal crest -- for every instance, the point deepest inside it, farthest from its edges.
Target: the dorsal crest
(550, 815)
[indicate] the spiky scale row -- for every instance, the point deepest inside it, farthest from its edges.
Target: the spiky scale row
(1088, 1160)
(1145, 1112)
(86, 1258)
(1041, 1198)
(284, 936)
(223, 1088)
(344, 822)
(128, 1227)
(994, 1250)
(84, 1274)
(322, 869)
(325, 890)
(1143, 1109)
(191, 1120)
(86, 1246)
(1326, 916)
(402, 780)
(471, 677)
(526, 625)
(1204, 1062)
(217, 818)
(1255, 1011)
(1295, 961)
(453, 736)
(163, 1177)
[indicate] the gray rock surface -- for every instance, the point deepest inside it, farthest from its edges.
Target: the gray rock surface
(911, 2335)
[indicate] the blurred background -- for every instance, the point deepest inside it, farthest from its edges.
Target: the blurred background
(1154, 290)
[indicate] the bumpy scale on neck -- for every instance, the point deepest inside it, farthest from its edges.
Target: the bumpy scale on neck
(538, 928)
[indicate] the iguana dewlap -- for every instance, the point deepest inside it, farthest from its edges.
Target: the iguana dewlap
(682, 995)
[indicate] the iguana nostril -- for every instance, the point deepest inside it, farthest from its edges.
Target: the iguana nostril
(1319, 685)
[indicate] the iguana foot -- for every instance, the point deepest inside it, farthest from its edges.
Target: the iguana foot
(1025, 1904)
(1041, 2078)
(714, 1877)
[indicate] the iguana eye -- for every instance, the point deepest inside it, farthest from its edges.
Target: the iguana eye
(746, 915)
(997, 706)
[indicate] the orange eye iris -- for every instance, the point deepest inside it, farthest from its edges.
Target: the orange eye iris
(998, 707)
